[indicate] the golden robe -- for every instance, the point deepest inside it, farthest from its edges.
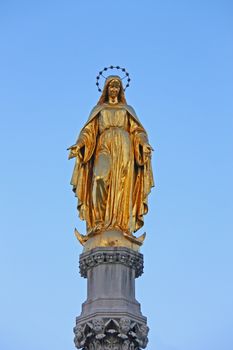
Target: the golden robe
(112, 176)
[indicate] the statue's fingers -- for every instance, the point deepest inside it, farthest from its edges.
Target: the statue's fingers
(72, 154)
(150, 147)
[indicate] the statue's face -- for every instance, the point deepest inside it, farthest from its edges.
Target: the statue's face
(114, 88)
(125, 324)
(98, 325)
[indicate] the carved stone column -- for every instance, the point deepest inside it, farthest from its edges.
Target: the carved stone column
(111, 318)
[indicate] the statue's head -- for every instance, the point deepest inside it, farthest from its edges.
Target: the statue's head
(98, 325)
(125, 324)
(113, 88)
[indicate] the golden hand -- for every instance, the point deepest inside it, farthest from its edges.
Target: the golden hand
(74, 151)
(147, 149)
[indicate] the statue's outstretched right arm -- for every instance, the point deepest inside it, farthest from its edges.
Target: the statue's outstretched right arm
(85, 144)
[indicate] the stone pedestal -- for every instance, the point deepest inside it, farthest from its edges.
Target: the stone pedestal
(111, 318)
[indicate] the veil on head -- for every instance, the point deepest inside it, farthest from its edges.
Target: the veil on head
(104, 95)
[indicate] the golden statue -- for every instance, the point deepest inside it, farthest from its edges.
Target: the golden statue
(112, 176)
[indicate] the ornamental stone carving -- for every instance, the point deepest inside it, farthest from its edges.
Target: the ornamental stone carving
(122, 256)
(111, 334)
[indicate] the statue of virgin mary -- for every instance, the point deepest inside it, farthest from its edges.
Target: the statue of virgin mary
(112, 177)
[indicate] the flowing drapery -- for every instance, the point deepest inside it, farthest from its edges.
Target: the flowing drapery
(112, 176)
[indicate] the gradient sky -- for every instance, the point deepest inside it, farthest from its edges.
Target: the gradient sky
(180, 57)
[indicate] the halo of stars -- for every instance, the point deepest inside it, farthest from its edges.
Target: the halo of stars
(100, 75)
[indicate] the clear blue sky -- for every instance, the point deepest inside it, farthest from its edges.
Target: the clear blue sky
(180, 56)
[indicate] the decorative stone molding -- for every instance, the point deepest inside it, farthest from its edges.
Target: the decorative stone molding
(111, 334)
(108, 255)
